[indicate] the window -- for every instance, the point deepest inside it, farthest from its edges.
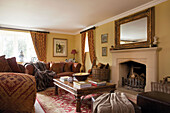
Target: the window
(12, 43)
(86, 43)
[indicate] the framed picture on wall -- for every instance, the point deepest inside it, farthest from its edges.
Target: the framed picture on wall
(104, 38)
(104, 51)
(59, 47)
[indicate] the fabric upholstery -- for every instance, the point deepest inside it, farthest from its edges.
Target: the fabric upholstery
(91, 46)
(39, 41)
(67, 67)
(17, 93)
(13, 65)
(4, 65)
(22, 68)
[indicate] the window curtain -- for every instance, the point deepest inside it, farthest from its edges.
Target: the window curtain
(83, 37)
(91, 46)
(39, 41)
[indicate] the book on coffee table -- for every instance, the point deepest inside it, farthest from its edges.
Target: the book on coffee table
(81, 84)
(97, 82)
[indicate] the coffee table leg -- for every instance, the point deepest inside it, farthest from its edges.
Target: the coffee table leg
(78, 104)
(56, 90)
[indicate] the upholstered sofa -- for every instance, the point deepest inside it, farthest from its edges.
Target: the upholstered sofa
(17, 90)
(61, 69)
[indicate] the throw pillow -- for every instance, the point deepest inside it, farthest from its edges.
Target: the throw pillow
(56, 67)
(13, 64)
(100, 66)
(4, 65)
(67, 67)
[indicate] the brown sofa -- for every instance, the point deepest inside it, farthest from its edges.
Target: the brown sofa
(61, 69)
(17, 90)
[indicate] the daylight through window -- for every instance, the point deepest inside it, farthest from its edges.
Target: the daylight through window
(86, 43)
(12, 43)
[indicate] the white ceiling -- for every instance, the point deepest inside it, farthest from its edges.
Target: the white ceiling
(62, 16)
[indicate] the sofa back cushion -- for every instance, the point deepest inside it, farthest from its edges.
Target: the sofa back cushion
(76, 67)
(4, 65)
(13, 65)
(57, 67)
(68, 67)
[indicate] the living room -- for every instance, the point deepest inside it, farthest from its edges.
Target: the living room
(106, 25)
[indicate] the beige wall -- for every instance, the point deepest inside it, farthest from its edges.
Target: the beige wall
(162, 24)
(71, 45)
(162, 30)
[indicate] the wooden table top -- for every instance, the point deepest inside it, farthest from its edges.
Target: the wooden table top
(84, 91)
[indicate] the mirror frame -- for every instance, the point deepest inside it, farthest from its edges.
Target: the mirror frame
(150, 14)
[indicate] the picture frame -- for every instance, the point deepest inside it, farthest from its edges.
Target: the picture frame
(104, 51)
(104, 38)
(59, 47)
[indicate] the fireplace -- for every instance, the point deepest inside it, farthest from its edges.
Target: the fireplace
(129, 65)
(133, 75)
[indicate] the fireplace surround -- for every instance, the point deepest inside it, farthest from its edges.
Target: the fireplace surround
(145, 56)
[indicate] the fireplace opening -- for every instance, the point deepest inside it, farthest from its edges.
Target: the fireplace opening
(133, 76)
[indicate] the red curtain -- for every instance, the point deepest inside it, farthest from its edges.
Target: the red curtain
(83, 37)
(39, 42)
(91, 46)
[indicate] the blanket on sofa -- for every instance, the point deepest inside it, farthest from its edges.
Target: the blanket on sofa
(43, 76)
(113, 103)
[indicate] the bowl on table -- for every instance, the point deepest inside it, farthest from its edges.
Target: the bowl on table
(81, 76)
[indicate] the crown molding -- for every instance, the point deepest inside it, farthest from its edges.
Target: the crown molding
(129, 12)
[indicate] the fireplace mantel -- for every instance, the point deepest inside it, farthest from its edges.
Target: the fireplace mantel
(147, 56)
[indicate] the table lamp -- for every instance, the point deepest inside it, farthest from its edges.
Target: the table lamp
(74, 52)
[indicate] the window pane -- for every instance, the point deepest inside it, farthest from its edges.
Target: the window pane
(12, 43)
(86, 43)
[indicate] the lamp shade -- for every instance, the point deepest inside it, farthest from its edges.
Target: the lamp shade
(73, 51)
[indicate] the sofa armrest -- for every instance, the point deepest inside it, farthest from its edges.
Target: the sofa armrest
(76, 67)
(29, 69)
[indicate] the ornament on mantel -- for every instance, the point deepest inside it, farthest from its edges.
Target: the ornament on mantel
(155, 41)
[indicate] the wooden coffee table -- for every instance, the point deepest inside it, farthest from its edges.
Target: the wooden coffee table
(109, 87)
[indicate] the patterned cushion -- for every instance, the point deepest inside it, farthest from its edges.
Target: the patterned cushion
(4, 65)
(13, 65)
(67, 67)
(17, 92)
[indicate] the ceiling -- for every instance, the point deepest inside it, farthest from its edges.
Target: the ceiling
(62, 16)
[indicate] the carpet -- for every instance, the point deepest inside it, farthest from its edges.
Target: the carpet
(64, 102)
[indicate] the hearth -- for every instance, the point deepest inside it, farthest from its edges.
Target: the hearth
(134, 77)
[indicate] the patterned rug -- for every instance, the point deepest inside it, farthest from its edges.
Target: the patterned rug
(64, 102)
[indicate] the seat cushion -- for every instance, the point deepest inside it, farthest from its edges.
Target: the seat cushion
(65, 74)
(4, 65)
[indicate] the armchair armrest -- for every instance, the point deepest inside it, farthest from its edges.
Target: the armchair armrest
(29, 69)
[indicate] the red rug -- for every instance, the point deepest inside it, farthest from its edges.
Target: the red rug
(63, 103)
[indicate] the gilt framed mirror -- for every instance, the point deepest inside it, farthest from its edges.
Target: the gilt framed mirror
(135, 31)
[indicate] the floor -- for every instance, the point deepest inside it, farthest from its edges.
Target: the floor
(38, 108)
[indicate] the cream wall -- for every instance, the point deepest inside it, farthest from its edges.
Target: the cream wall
(71, 45)
(162, 30)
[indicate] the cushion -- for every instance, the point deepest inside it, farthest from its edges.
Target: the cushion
(4, 65)
(76, 67)
(57, 67)
(67, 67)
(13, 65)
